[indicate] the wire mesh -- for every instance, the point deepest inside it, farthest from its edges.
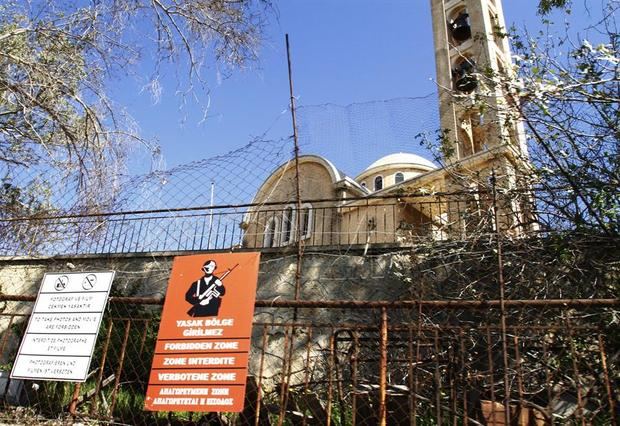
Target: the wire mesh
(470, 354)
(398, 365)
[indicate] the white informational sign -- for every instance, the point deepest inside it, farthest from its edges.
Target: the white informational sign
(63, 327)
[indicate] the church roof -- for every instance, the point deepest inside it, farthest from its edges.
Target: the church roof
(402, 158)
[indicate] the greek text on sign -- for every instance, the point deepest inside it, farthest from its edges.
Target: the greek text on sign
(201, 355)
(63, 328)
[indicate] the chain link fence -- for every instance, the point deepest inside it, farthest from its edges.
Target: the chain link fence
(387, 363)
(464, 313)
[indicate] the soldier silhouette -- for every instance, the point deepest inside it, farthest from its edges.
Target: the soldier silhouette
(205, 294)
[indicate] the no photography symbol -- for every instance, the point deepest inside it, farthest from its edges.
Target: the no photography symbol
(89, 281)
(61, 282)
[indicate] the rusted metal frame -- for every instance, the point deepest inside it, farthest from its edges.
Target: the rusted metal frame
(339, 381)
(4, 341)
(404, 328)
(410, 367)
(307, 372)
(491, 371)
(119, 369)
(330, 376)
(439, 304)
(383, 368)
(573, 351)
(299, 256)
(147, 323)
(354, 367)
(7, 332)
(518, 362)
(610, 396)
(284, 383)
(287, 361)
(452, 384)
(437, 377)
(259, 382)
(464, 370)
(414, 399)
(398, 304)
(106, 344)
(74, 399)
(548, 387)
(502, 298)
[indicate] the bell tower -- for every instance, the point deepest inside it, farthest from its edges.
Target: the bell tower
(470, 50)
(482, 134)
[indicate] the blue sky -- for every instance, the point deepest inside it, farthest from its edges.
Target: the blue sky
(344, 52)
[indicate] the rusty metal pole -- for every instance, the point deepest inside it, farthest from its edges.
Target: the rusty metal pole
(574, 360)
(74, 399)
(259, 384)
(307, 372)
(286, 369)
(383, 368)
(548, 387)
(119, 370)
(354, 366)
(330, 376)
(414, 413)
(289, 354)
(297, 183)
(610, 395)
(93, 407)
(502, 298)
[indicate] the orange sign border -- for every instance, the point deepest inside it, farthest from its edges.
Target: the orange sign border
(197, 329)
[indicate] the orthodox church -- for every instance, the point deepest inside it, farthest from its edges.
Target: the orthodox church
(402, 197)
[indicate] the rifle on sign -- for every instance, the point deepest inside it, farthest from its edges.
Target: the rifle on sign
(211, 291)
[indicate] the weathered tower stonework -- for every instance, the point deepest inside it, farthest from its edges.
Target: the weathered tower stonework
(471, 51)
(482, 134)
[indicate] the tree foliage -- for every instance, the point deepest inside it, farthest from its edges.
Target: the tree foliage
(567, 90)
(546, 6)
(59, 61)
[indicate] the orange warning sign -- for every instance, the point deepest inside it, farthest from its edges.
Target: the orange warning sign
(201, 355)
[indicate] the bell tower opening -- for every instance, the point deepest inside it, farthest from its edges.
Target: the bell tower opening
(470, 48)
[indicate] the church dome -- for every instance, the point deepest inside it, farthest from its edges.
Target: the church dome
(402, 158)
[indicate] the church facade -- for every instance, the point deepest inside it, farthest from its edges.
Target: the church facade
(402, 197)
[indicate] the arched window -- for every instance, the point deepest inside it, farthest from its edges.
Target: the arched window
(306, 221)
(399, 177)
(378, 183)
(270, 235)
(288, 225)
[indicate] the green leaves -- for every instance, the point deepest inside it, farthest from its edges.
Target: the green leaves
(546, 6)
